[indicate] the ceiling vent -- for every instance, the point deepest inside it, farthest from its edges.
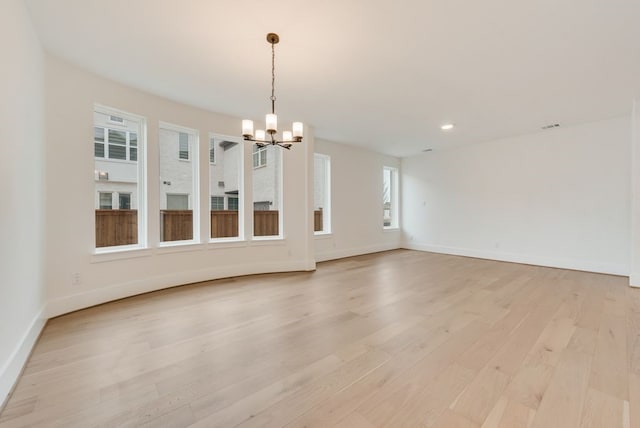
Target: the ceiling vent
(551, 126)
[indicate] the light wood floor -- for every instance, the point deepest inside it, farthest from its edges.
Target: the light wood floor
(393, 339)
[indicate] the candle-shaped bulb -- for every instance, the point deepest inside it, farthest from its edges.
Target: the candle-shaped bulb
(272, 123)
(247, 128)
(297, 130)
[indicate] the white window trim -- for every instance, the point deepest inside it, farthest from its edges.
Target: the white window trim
(326, 220)
(395, 178)
(142, 181)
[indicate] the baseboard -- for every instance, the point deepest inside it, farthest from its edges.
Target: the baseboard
(606, 268)
(87, 299)
(357, 251)
(12, 369)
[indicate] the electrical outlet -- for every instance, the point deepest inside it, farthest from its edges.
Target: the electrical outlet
(75, 279)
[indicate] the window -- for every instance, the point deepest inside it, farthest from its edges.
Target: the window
(116, 144)
(178, 183)
(133, 146)
(183, 147)
(389, 197)
(267, 193)
(98, 142)
(212, 150)
(106, 202)
(321, 194)
(177, 202)
(119, 164)
(232, 204)
(225, 178)
(124, 201)
(217, 203)
(259, 156)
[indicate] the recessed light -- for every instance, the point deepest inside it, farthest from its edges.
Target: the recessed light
(447, 127)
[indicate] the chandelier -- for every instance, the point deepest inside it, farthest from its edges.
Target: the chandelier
(263, 137)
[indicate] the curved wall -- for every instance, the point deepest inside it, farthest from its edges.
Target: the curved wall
(71, 95)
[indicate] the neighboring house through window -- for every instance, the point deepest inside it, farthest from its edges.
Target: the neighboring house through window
(118, 148)
(178, 183)
(259, 156)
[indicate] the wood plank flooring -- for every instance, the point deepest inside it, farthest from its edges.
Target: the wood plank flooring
(394, 339)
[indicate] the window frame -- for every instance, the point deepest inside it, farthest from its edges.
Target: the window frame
(326, 210)
(279, 188)
(213, 137)
(393, 198)
(193, 197)
(141, 170)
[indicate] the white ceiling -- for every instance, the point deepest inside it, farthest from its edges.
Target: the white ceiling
(382, 74)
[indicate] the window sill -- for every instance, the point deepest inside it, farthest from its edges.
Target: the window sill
(179, 247)
(391, 229)
(218, 243)
(108, 254)
(267, 240)
(322, 235)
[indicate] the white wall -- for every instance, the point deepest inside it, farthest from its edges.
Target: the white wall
(356, 203)
(555, 198)
(71, 94)
(21, 187)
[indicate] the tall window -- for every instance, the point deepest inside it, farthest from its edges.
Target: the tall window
(321, 194)
(225, 184)
(118, 143)
(267, 193)
(178, 186)
(390, 197)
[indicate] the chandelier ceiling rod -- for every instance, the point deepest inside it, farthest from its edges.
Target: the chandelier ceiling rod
(271, 120)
